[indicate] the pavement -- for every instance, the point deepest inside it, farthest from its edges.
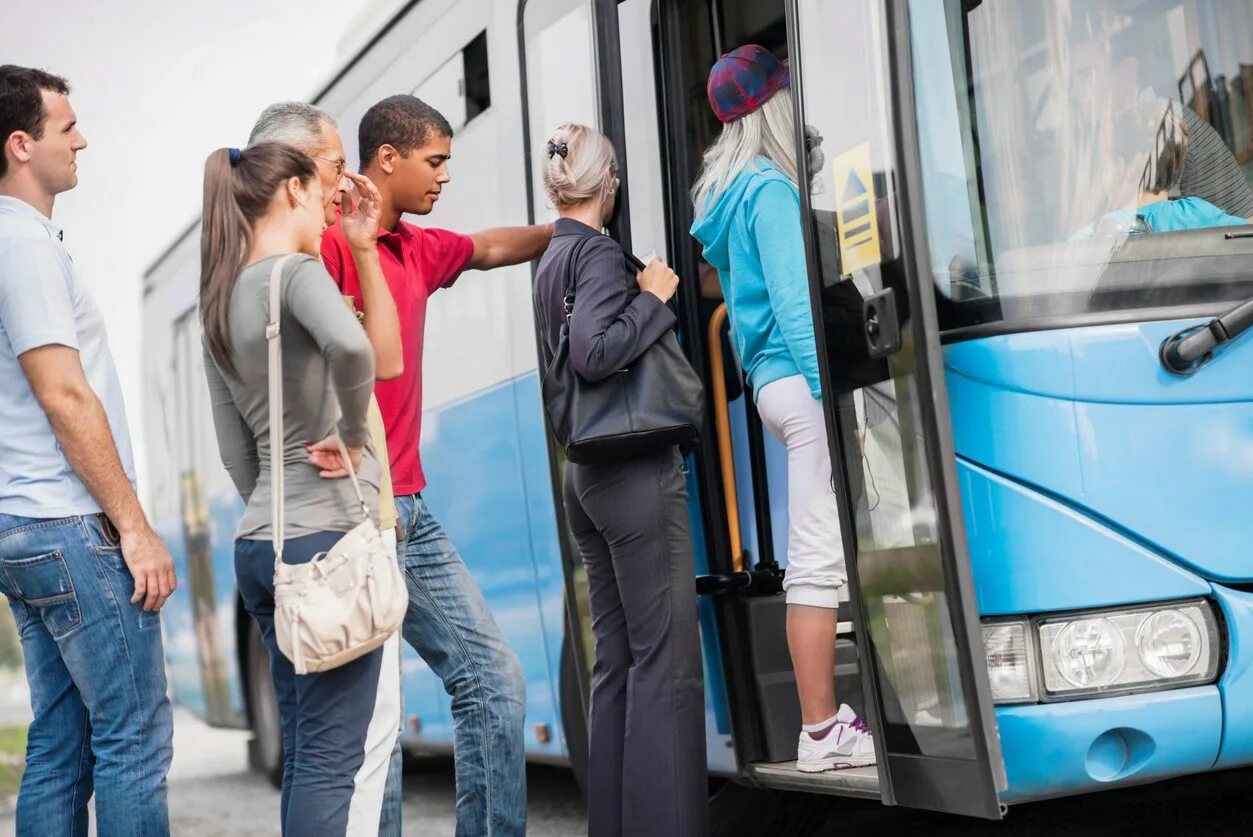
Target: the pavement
(213, 794)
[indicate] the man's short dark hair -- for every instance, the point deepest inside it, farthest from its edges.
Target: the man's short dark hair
(22, 103)
(404, 122)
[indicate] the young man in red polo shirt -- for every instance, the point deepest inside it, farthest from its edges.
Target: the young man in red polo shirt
(405, 147)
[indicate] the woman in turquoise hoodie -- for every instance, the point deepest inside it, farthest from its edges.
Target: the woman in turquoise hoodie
(748, 218)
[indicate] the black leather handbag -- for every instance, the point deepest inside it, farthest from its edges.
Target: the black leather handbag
(655, 403)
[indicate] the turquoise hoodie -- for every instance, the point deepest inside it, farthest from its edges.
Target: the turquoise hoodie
(752, 234)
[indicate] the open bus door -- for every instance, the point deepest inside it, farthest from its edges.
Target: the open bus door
(928, 698)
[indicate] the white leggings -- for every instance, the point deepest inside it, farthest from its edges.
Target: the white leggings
(815, 553)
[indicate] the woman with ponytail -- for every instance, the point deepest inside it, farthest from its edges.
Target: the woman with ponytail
(262, 205)
(646, 767)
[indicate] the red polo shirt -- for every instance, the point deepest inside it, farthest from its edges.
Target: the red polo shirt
(416, 263)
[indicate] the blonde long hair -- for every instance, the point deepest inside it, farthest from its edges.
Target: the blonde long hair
(769, 131)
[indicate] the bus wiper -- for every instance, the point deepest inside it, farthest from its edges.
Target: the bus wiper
(1187, 351)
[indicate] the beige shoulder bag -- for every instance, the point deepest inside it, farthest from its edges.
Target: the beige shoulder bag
(348, 600)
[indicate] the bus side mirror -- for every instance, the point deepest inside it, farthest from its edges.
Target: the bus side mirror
(881, 326)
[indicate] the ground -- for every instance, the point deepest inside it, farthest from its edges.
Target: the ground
(212, 794)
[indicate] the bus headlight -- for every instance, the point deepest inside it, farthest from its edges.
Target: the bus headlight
(1087, 653)
(1011, 669)
(1170, 643)
(1128, 650)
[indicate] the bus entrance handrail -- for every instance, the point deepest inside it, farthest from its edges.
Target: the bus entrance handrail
(722, 421)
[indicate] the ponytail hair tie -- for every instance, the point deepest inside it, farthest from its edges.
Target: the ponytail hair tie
(560, 150)
(236, 156)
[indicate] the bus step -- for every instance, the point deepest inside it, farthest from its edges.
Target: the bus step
(861, 782)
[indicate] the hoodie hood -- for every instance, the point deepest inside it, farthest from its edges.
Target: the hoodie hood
(712, 228)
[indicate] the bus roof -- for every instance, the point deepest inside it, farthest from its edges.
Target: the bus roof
(322, 91)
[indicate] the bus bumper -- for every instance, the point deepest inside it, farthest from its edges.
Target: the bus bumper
(1055, 749)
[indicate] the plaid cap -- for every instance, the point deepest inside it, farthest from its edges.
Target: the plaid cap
(743, 80)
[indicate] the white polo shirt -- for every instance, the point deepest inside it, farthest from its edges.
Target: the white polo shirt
(42, 302)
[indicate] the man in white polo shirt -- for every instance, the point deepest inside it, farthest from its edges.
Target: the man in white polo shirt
(84, 572)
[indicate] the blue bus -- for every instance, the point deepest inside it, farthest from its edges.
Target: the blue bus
(1038, 402)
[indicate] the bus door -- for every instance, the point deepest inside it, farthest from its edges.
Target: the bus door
(928, 698)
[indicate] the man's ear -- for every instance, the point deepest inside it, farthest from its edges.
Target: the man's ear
(17, 146)
(387, 157)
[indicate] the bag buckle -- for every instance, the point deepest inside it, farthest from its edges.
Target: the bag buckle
(271, 331)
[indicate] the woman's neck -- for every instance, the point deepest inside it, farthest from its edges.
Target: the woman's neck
(273, 237)
(586, 213)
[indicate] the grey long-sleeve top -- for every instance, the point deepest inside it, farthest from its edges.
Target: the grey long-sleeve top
(613, 323)
(328, 375)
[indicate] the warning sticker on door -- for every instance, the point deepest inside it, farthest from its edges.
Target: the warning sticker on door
(856, 221)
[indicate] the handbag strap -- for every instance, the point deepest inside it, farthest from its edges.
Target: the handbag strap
(273, 336)
(567, 298)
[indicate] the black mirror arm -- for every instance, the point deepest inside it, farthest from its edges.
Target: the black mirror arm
(1187, 351)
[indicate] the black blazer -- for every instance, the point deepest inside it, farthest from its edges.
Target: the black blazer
(613, 323)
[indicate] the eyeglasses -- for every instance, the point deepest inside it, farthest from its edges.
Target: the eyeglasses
(339, 165)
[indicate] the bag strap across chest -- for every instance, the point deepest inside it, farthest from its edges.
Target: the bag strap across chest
(273, 336)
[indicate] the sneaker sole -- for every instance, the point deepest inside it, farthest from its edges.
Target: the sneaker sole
(828, 766)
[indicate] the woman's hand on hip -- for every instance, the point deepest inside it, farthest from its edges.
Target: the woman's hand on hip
(658, 279)
(325, 456)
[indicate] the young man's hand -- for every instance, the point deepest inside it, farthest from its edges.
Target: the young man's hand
(150, 564)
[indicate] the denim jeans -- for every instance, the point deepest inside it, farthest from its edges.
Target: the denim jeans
(451, 627)
(94, 662)
(330, 786)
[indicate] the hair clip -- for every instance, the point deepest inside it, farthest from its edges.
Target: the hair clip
(236, 156)
(554, 148)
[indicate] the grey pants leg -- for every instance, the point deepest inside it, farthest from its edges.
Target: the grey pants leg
(647, 767)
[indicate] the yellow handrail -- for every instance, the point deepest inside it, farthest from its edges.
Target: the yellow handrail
(722, 419)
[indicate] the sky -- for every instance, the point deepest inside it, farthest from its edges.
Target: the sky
(157, 86)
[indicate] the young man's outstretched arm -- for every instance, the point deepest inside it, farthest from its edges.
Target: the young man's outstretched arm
(503, 246)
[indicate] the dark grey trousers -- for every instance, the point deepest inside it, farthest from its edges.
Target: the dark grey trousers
(647, 765)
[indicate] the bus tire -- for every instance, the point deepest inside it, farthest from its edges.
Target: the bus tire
(573, 719)
(265, 748)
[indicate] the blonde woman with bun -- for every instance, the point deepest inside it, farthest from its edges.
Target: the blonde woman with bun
(646, 767)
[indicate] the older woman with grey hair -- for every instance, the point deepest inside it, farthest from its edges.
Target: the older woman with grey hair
(646, 766)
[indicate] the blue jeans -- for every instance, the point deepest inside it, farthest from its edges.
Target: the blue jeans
(325, 715)
(451, 627)
(94, 662)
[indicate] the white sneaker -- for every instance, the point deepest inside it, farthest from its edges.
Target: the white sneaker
(849, 743)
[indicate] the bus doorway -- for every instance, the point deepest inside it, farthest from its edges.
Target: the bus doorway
(656, 83)
(743, 468)
(924, 694)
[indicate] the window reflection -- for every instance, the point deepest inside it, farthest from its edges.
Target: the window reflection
(1057, 137)
(899, 559)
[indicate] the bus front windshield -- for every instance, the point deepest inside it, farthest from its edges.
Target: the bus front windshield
(1084, 158)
